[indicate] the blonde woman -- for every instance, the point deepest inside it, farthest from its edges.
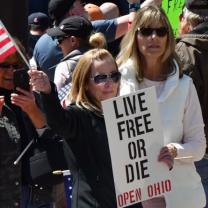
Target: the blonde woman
(96, 78)
(147, 59)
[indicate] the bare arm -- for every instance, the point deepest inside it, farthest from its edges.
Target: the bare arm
(122, 22)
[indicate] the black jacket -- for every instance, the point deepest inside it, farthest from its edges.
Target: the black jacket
(16, 131)
(85, 132)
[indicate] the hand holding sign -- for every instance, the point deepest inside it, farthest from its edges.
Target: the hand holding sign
(167, 155)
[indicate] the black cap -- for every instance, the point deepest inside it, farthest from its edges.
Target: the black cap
(39, 19)
(75, 25)
(199, 7)
(58, 8)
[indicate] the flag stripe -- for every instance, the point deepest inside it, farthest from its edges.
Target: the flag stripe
(7, 47)
(4, 41)
(7, 53)
(2, 31)
(3, 36)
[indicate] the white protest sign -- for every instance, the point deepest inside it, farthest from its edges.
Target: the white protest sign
(135, 139)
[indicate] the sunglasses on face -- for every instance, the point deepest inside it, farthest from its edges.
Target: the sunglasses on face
(59, 40)
(147, 31)
(103, 78)
(5, 65)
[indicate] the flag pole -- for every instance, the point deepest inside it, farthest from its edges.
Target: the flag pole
(18, 50)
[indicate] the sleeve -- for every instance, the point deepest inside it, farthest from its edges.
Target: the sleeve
(61, 75)
(107, 27)
(41, 131)
(64, 122)
(194, 142)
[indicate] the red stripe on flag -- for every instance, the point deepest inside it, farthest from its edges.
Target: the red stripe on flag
(4, 42)
(7, 46)
(2, 31)
(7, 53)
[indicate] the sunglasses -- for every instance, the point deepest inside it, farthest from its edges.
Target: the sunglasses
(103, 78)
(59, 40)
(7, 65)
(147, 31)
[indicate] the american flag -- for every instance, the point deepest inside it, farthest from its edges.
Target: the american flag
(7, 46)
(68, 187)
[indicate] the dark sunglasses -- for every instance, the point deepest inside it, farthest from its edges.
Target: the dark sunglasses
(7, 65)
(59, 40)
(103, 78)
(147, 31)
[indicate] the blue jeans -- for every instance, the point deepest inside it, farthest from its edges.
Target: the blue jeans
(202, 169)
(26, 201)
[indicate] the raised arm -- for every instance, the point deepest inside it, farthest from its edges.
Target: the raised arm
(123, 21)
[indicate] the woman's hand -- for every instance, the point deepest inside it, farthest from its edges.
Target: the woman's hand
(39, 81)
(167, 155)
(25, 100)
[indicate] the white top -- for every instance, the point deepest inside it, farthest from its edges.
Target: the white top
(183, 126)
(191, 116)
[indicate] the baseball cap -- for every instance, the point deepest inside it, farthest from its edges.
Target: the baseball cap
(39, 19)
(199, 7)
(77, 26)
(94, 12)
(58, 8)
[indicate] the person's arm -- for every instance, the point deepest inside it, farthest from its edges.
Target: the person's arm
(64, 122)
(115, 28)
(194, 142)
(123, 21)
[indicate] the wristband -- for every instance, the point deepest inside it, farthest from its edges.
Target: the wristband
(134, 7)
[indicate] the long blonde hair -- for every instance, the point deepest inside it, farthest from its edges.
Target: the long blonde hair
(146, 16)
(81, 76)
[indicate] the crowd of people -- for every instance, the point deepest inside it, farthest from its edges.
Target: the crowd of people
(81, 55)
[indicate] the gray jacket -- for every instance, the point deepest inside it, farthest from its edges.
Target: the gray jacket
(192, 49)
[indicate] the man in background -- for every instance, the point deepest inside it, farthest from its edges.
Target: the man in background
(38, 23)
(192, 48)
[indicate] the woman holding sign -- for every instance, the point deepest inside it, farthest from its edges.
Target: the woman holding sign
(96, 78)
(147, 59)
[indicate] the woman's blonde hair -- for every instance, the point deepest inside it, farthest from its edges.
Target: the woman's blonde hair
(95, 40)
(145, 17)
(81, 76)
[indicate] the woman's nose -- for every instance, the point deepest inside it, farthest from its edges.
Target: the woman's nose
(109, 82)
(154, 34)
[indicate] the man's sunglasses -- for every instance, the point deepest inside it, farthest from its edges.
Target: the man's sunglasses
(7, 65)
(103, 78)
(59, 40)
(147, 31)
